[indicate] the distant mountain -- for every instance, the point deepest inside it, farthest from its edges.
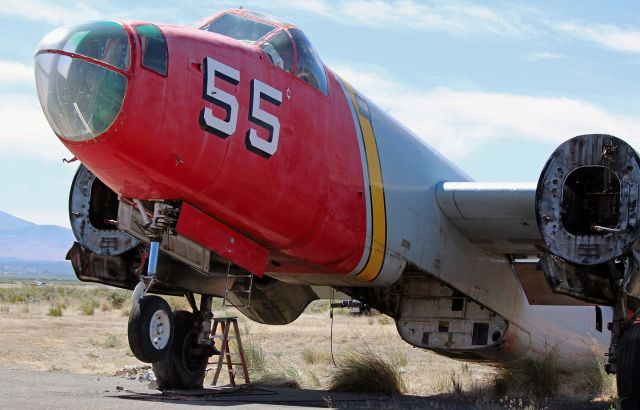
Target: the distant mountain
(10, 222)
(31, 249)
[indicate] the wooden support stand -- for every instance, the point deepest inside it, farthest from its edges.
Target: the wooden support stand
(228, 324)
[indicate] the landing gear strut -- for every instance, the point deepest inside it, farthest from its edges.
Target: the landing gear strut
(151, 327)
(624, 350)
(178, 344)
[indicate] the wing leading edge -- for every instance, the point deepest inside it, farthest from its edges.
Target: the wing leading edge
(497, 217)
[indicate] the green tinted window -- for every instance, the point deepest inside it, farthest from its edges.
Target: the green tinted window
(80, 99)
(240, 28)
(279, 48)
(154, 48)
(105, 41)
(309, 68)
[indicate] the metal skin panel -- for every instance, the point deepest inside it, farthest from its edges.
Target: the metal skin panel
(498, 217)
(439, 248)
(158, 150)
(201, 228)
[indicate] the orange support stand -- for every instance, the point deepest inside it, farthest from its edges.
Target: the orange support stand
(226, 325)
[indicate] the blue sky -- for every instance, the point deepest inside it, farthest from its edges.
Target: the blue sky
(494, 85)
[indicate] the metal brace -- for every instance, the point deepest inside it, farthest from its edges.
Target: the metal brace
(163, 222)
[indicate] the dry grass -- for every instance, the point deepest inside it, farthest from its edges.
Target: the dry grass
(55, 311)
(312, 355)
(296, 354)
(253, 355)
(529, 377)
(366, 371)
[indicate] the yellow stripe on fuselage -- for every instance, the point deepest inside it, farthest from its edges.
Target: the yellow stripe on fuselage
(378, 212)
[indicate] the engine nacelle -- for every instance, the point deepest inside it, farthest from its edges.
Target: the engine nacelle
(587, 198)
(93, 209)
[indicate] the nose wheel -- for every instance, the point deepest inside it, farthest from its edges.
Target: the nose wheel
(150, 329)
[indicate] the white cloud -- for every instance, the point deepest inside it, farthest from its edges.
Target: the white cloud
(47, 11)
(616, 38)
(454, 17)
(25, 130)
(461, 18)
(457, 122)
(67, 12)
(13, 72)
(543, 55)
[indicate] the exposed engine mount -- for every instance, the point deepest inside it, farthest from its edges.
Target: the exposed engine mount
(587, 197)
(107, 251)
(93, 212)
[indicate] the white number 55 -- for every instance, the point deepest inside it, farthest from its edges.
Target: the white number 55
(223, 128)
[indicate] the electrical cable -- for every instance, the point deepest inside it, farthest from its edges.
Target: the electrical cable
(331, 333)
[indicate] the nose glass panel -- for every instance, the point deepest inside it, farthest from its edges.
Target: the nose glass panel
(80, 100)
(106, 41)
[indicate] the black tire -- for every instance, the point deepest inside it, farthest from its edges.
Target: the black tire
(142, 314)
(628, 368)
(184, 367)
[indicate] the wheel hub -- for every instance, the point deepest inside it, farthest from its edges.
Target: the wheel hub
(159, 329)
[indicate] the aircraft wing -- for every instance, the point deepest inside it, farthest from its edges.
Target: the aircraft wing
(498, 217)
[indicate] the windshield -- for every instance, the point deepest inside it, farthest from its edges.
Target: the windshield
(240, 28)
(105, 41)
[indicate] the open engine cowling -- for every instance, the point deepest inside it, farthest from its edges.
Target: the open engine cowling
(587, 198)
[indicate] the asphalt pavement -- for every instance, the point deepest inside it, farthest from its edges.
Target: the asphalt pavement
(26, 389)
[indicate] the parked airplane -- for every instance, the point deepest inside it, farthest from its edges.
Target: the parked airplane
(226, 160)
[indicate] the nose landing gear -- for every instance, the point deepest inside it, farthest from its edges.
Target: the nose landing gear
(150, 328)
(184, 365)
(178, 344)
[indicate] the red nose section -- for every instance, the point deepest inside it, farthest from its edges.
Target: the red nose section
(287, 173)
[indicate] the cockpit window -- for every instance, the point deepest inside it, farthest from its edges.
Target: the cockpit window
(267, 17)
(240, 28)
(279, 48)
(309, 68)
(105, 41)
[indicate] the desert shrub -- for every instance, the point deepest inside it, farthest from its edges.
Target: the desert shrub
(595, 381)
(87, 307)
(532, 377)
(278, 376)
(451, 382)
(384, 320)
(311, 355)
(116, 298)
(55, 311)
(178, 302)
(110, 342)
(318, 306)
(313, 378)
(398, 359)
(253, 355)
(365, 371)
